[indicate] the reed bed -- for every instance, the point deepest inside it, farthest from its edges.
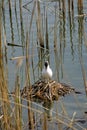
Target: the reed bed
(16, 112)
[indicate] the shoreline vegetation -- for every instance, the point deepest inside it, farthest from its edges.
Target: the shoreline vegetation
(20, 113)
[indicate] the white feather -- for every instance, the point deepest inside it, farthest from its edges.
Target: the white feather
(47, 72)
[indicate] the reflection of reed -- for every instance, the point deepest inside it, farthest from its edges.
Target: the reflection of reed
(3, 12)
(48, 109)
(80, 37)
(16, 16)
(64, 25)
(11, 22)
(4, 35)
(71, 24)
(80, 24)
(21, 23)
(83, 71)
(11, 25)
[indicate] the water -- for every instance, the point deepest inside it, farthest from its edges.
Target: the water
(68, 30)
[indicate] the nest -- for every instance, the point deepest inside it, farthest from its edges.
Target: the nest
(46, 91)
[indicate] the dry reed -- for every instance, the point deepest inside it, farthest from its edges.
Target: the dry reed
(30, 113)
(6, 120)
(18, 112)
(39, 28)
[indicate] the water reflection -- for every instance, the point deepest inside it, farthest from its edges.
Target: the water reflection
(48, 108)
(80, 25)
(11, 21)
(71, 25)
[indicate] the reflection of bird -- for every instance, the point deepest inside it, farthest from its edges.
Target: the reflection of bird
(47, 72)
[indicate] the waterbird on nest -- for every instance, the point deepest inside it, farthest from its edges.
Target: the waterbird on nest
(45, 88)
(47, 71)
(47, 91)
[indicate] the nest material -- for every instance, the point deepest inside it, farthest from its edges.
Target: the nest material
(46, 90)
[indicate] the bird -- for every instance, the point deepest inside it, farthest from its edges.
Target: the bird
(47, 71)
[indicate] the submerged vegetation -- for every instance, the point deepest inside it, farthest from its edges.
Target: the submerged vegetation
(32, 31)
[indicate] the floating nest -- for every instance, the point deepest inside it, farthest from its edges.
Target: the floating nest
(46, 91)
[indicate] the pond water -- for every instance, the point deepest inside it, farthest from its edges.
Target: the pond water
(62, 25)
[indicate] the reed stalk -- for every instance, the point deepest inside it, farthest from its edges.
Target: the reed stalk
(0, 28)
(45, 127)
(28, 84)
(47, 38)
(31, 19)
(55, 29)
(3, 13)
(39, 28)
(80, 3)
(6, 121)
(18, 109)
